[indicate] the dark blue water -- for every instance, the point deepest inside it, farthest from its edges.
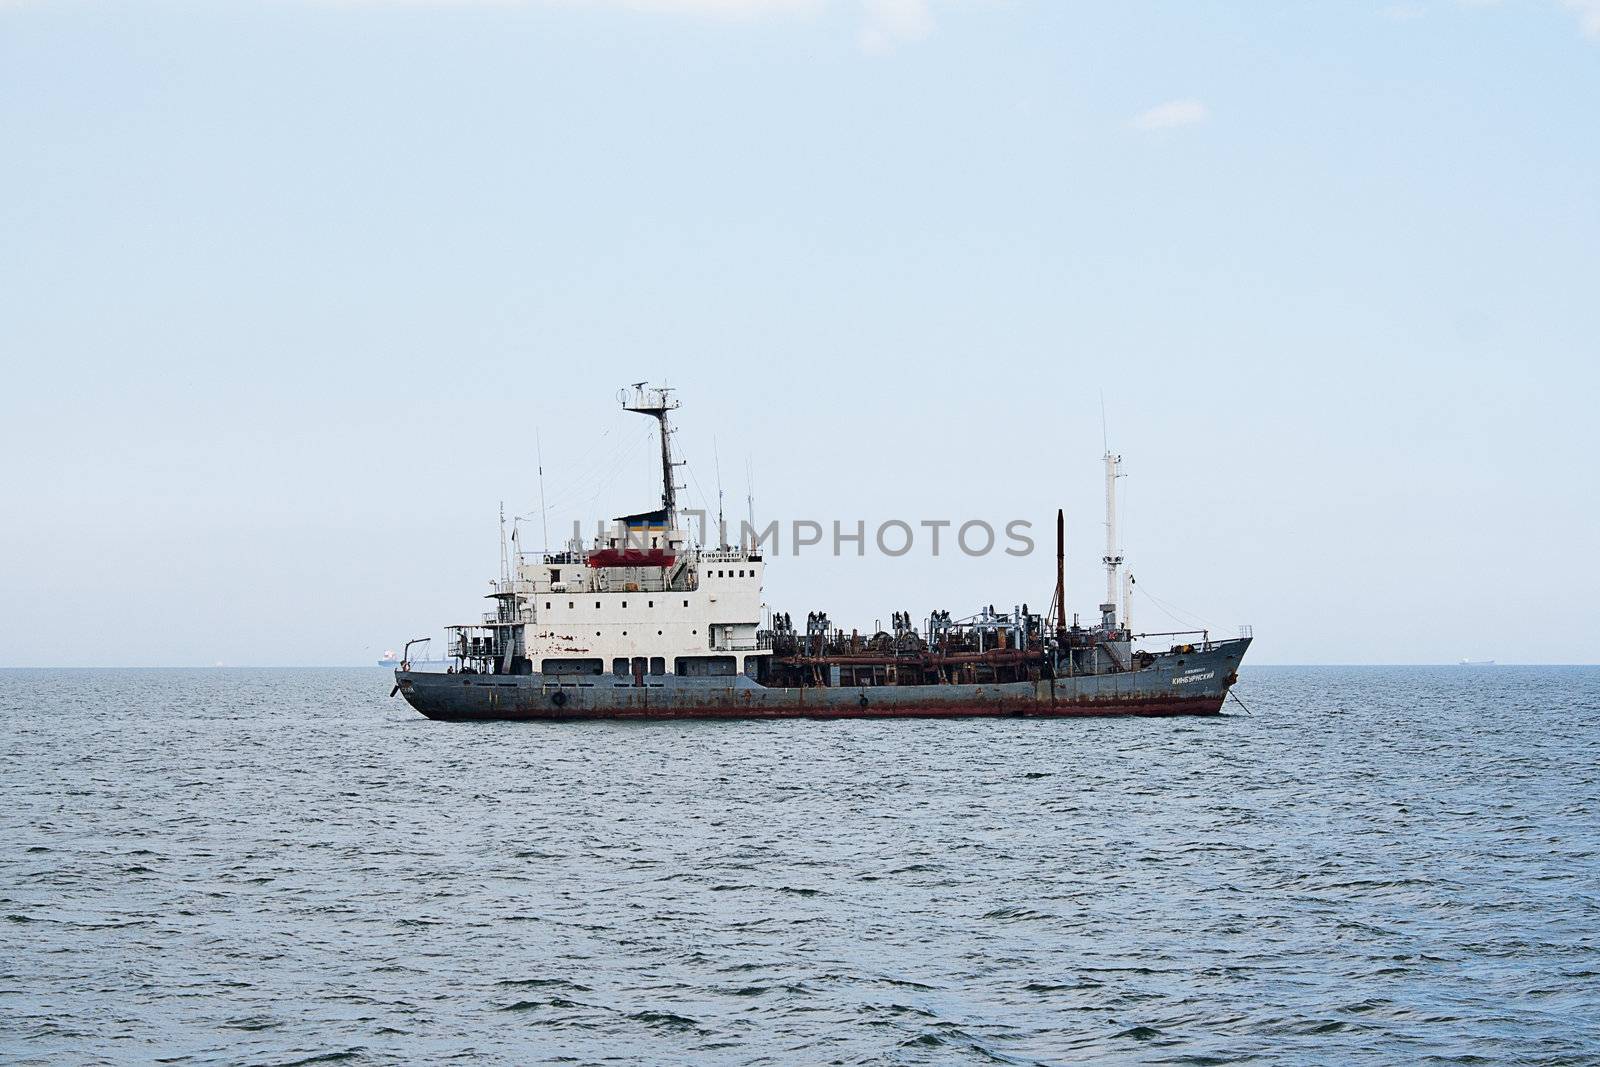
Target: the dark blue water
(1380, 865)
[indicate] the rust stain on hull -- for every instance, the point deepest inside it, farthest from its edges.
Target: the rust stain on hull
(1195, 683)
(498, 711)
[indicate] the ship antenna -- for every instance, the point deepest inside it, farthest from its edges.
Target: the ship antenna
(1061, 574)
(749, 498)
(722, 525)
(544, 516)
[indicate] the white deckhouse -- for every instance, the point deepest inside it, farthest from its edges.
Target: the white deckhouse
(642, 600)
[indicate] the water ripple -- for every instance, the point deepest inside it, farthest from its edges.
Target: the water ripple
(1380, 865)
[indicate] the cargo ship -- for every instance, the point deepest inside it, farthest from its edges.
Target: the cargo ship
(644, 622)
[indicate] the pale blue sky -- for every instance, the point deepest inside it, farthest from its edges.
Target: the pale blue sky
(286, 288)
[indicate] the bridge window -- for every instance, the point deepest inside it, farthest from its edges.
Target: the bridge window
(619, 666)
(658, 665)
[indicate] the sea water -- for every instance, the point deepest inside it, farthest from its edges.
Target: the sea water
(1379, 865)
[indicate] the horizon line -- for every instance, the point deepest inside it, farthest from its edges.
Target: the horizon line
(377, 667)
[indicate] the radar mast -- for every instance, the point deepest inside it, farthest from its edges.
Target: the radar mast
(657, 401)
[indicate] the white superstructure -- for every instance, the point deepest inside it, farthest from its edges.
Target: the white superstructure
(641, 599)
(581, 605)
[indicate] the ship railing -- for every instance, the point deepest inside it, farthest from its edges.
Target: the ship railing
(465, 647)
(1206, 642)
(762, 642)
(510, 618)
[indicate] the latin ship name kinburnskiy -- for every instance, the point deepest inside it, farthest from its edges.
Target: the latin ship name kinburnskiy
(647, 624)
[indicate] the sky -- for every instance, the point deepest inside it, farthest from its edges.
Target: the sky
(294, 294)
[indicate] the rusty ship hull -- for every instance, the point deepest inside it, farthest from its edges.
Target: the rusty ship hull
(1189, 682)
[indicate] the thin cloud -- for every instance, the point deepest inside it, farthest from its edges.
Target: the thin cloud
(1587, 12)
(889, 22)
(884, 23)
(724, 8)
(1172, 114)
(1588, 15)
(1403, 12)
(712, 8)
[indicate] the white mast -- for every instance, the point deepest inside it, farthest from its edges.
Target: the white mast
(1113, 557)
(505, 561)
